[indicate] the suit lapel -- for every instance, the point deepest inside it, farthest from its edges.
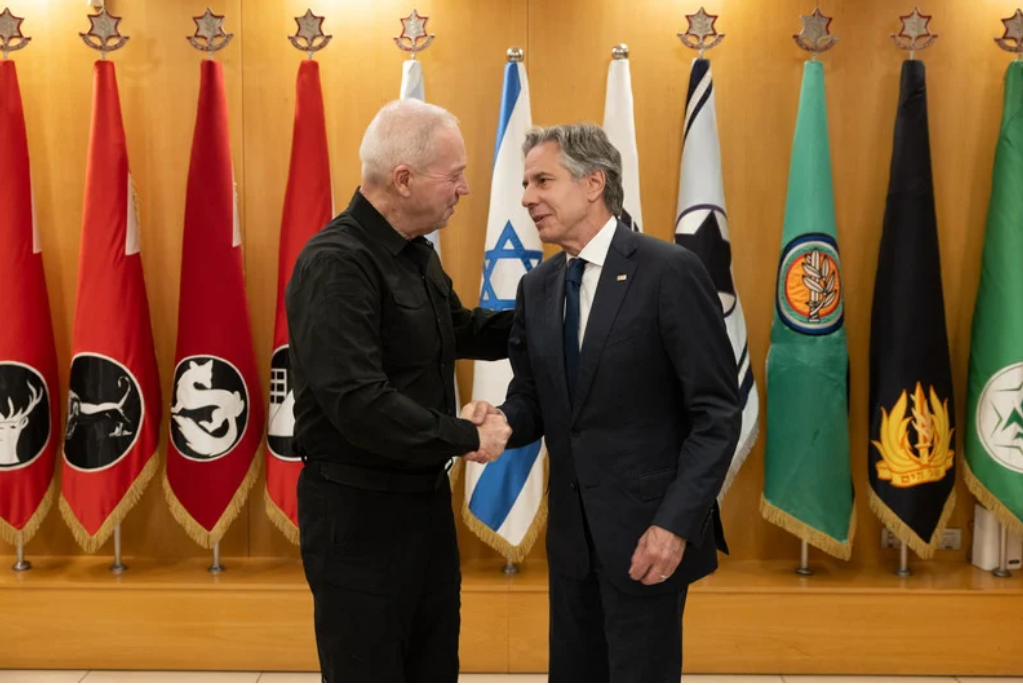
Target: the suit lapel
(555, 324)
(611, 291)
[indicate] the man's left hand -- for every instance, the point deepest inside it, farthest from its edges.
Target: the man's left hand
(657, 555)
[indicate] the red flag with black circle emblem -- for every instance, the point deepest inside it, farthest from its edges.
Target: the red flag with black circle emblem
(29, 421)
(307, 209)
(216, 422)
(114, 404)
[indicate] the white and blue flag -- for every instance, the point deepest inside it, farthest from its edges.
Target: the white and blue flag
(702, 226)
(505, 501)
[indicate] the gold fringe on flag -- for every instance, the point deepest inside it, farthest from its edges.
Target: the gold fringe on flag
(9, 533)
(281, 520)
(804, 531)
(513, 553)
(91, 543)
(924, 548)
(208, 538)
(990, 502)
(455, 472)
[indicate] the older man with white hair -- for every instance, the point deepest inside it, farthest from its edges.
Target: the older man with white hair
(375, 329)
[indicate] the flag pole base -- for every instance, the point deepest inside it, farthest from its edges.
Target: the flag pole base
(804, 559)
(903, 570)
(118, 567)
(510, 568)
(216, 568)
(21, 563)
(1002, 570)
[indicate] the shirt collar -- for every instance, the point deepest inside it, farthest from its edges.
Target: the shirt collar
(377, 226)
(596, 250)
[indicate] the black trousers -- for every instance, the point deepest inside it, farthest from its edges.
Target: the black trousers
(600, 634)
(384, 572)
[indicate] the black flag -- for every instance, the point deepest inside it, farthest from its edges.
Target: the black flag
(912, 459)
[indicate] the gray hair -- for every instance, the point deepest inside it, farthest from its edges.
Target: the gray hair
(585, 148)
(402, 132)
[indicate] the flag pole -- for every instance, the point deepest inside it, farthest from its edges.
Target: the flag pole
(1002, 571)
(21, 564)
(118, 567)
(804, 559)
(903, 571)
(510, 568)
(216, 568)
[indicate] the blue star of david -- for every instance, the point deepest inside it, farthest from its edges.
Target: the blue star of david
(508, 246)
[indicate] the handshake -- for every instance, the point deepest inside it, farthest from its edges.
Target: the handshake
(493, 429)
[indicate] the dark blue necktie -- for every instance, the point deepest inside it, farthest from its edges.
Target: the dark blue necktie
(573, 279)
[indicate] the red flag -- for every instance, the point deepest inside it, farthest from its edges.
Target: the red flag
(307, 209)
(28, 360)
(217, 406)
(114, 405)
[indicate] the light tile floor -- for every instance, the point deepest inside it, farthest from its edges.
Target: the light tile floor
(276, 677)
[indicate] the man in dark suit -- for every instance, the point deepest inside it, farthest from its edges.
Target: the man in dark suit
(622, 361)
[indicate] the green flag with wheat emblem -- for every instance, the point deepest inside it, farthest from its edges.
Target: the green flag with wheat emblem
(994, 400)
(808, 484)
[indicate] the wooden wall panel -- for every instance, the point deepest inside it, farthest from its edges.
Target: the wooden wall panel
(567, 44)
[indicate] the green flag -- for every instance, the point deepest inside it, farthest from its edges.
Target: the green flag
(994, 400)
(808, 485)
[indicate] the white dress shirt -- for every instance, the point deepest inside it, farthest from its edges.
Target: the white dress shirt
(595, 254)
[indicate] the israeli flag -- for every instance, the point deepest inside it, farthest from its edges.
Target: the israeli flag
(702, 226)
(505, 503)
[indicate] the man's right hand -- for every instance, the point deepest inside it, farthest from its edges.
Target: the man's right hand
(477, 411)
(494, 432)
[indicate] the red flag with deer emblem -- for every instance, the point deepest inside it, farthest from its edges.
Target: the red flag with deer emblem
(307, 209)
(28, 360)
(114, 405)
(217, 406)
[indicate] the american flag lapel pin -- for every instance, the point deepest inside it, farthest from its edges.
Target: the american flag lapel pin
(622, 277)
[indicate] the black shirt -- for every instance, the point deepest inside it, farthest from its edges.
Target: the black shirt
(375, 329)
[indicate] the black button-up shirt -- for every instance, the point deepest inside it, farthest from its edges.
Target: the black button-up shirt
(375, 329)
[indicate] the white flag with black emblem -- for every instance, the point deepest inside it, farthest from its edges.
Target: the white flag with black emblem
(702, 226)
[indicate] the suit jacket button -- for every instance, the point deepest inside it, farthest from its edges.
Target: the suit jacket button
(575, 432)
(574, 486)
